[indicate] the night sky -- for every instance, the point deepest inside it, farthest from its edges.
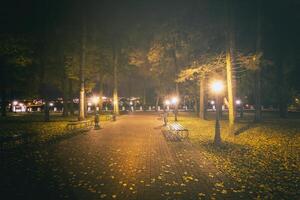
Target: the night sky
(118, 19)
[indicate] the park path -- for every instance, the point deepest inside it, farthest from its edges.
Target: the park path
(127, 159)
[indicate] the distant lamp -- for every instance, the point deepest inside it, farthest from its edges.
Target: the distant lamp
(167, 102)
(212, 102)
(51, 104)
(238, 102)
(15, 103)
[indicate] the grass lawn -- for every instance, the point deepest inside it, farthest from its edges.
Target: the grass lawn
(264, 158)
(33, 124)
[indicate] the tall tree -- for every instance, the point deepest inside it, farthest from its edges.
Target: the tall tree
(81, 70)
(115, 77)
(15, 63)
(229, 64)
(257, 73)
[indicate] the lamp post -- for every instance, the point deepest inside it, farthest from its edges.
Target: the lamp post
(217, 88)
(95, 100)
(239, 104)
(174, 101)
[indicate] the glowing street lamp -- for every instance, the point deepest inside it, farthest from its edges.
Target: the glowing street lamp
(217, 88)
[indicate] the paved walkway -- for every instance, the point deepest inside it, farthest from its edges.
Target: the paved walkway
(127, 159)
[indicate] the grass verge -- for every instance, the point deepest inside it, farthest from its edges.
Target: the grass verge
(264, 158)
(33, 124)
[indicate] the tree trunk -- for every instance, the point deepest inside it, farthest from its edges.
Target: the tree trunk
(196, 105)
(46, 110)
(44, 90)
(85, 106)
(176, 84)
(257, 90)
(3, 103)
(202, 102)
(115, 92)
(144, 93)
(282, 89)
(156, 103)
(257, 73)
(81, 71)
(65, 97)
(229, 65)
(101, 93)
(70, 95)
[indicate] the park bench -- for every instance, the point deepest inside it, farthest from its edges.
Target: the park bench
(86, 124)
(108, 117)
(178, 130)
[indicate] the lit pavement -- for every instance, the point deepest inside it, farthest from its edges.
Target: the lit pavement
(127, 159)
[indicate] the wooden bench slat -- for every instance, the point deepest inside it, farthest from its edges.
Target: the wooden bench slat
(177, 129)
(80, 124)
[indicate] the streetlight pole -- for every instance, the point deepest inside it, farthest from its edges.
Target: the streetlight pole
(175, 102)
(217, 88)
(97, 118)
(217, 139)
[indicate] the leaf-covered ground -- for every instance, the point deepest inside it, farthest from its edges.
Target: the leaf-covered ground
(264, 158)
(127, 159)
(33, 124)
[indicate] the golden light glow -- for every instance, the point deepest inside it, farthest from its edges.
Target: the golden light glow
(174, 100)
(217, 86)
(167, 102)
(95, 99)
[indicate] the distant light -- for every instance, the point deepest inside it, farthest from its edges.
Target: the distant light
(174, 100)
(95, 99)
(167, 102)
(212, 102)
(131, 103)
(89, 104)
(217, 86)
(51, 104)
(104, 98)
(238, 102)
(15, 103)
